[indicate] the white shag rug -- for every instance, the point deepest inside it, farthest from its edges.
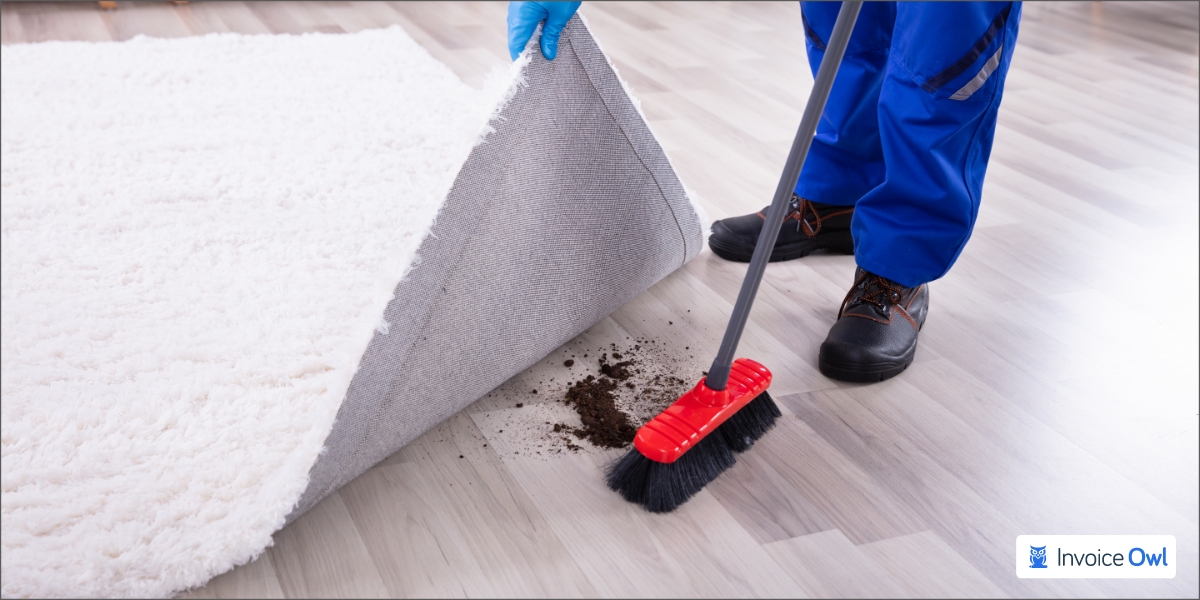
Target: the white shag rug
(198, 238)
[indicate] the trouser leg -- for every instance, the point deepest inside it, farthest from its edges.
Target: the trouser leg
(937, 111)
(846, 159)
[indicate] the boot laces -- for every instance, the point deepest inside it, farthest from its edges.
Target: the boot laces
(800, 207)
(877, 291)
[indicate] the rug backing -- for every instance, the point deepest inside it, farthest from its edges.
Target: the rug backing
(567, 211)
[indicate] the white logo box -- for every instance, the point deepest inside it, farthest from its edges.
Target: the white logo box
(1096, 556)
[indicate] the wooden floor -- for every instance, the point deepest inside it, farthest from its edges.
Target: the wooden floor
(1055, 389)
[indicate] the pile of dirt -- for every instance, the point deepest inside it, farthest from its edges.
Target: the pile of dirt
(603, 424)
(634, 384)
(593, 396)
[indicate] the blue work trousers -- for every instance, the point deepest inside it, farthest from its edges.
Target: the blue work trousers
(907, 131)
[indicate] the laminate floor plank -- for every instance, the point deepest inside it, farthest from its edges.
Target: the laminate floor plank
(1074, 318)
(1046, 107)
(217, 17)
(1042, 358)
(1055, 389)
(61, 21)
(1127, 109)
(764, 149)
(1096, 72)
(1101, 188)
(1037, 207)
(1024, 256)
(699, 550)
(437, 21)
(1043, 465)
(155, 19)
(925, 566)
(828, 565)
(353, 18)
(1181, 63)
(1147, 444)
(798, 303)
(976, 529)
(980, 285)
(455, 496)
(669, 301)
(323, 555)
(827, 479)
(1100, 60)
(764, 119)
(739, 190)
(283, 18)
(256, 579)
(647, 49)
(766, 504)
(408, 518)
(1031, 454)
(205, 17)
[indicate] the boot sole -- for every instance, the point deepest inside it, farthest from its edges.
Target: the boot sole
(867, 373)
(840, 242)
(862, 373)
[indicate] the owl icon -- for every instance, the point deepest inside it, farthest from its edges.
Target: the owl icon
(1037, 557)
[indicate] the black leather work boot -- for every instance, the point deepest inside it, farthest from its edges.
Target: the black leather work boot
(808, 226)
(875, 336)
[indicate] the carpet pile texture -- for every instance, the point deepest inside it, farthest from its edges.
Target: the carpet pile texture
(199, 237)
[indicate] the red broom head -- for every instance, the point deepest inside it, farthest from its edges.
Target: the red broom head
(699, 412)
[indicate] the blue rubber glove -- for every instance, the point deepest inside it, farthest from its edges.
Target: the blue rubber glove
(523, 19)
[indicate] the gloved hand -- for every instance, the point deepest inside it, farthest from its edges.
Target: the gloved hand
(523, 19)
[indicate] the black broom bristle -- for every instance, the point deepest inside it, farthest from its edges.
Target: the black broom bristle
(663, 487)
(750, 423)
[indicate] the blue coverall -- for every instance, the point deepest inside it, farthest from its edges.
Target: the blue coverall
(908, 128)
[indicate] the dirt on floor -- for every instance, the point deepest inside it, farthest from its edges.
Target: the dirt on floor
(588, 397)
(603, 424)
(634, 384)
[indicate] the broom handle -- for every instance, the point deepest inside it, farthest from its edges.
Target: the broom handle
(718, 373)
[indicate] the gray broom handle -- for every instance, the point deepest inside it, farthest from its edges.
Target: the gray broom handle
(718, 373)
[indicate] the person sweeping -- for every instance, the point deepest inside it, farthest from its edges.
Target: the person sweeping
(887, 164)
(895, 171)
